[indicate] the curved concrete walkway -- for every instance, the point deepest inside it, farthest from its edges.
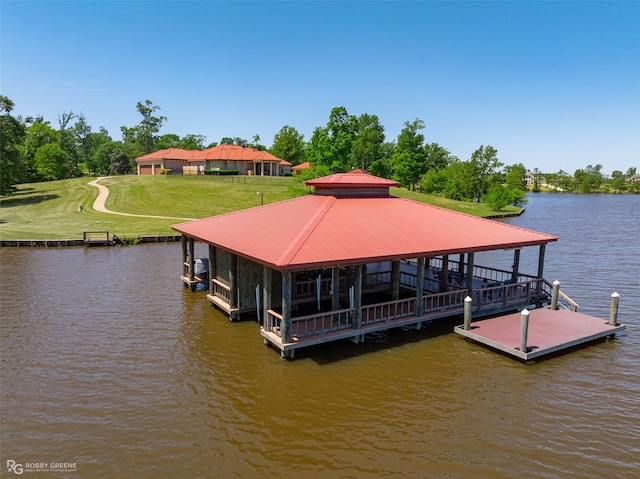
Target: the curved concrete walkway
(103, 193)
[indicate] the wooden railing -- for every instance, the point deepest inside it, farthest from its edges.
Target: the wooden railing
(443, 301)
(380, 312)
(376, 279)
(222, 291)
(308, 288)
(564, 301)
(502, 294)
(312, 324)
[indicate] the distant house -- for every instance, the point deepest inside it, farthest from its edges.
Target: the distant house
(633, 179)
(170, 159)
(302, 166)
(247, 161)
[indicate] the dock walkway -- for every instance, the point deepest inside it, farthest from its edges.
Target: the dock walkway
(549, 331)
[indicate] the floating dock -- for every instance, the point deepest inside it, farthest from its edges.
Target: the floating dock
(548, 331)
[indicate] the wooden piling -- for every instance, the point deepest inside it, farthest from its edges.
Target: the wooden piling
(554, 295)
(524, 329)
(467, 313)
(613, 315)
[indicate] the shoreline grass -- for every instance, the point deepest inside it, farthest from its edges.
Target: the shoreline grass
(50, 210)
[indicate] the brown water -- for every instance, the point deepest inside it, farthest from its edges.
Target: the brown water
(109, 363)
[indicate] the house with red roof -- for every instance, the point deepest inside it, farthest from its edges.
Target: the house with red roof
(352, 259)
(246, 161)
(299, 168)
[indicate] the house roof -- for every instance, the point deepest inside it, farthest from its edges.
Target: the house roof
(322, 231)
(170, 154)
(235, 153)
(302, 166)
(220, 152)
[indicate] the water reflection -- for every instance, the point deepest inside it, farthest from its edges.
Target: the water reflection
(109, 362)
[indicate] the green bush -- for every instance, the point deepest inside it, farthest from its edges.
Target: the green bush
(221, 172)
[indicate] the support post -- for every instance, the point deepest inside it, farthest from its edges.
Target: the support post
(233, 282)
(335, 294)
(213, 267)
(516, 265)
(185, 255)
(285, 325)
(541, 266)
(469, 278)
(357, 298)
(420, 288)
(613, 315)
(554, 295)
(524, 329)
(395, 280)
(444, 277)
(266, 293)
(467, 313)
(192, 263)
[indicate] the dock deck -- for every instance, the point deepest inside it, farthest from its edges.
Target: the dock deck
(549, 331)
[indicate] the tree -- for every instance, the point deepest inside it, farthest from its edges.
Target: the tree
(120, 164)
(66, 137)
(288, 145)
(12, 133)
(368, 141)
(589, 179)
(332, 145)
(436, 157)
(82, 136)
(408, 161)
(192, 142)
(498, 197)
(38, 134)
(170, 140)
(101, 158)
(484, 168)
(150, 125)
(52, 162)
(516, 176)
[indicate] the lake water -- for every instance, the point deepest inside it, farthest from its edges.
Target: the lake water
(110, 364)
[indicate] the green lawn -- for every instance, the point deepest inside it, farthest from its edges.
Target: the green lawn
(50, 210)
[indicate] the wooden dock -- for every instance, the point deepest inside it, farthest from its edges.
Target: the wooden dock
(98, 238)
(548, 331)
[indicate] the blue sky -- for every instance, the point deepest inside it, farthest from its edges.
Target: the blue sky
(552, 85)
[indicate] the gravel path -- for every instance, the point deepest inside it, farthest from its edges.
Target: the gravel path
(103, 193)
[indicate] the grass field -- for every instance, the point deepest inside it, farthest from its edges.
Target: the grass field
(50, 210)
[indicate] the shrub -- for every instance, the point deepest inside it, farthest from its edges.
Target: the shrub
(221, 172)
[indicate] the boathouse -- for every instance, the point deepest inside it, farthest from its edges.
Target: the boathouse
(352, 259)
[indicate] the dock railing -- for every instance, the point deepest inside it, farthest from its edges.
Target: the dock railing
(222, 291)
(564, 301)
(380, 312)
(312, 324)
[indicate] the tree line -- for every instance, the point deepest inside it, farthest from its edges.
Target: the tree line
(34, 150)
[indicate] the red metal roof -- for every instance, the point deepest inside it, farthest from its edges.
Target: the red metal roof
(351, 180)
(322, 231)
